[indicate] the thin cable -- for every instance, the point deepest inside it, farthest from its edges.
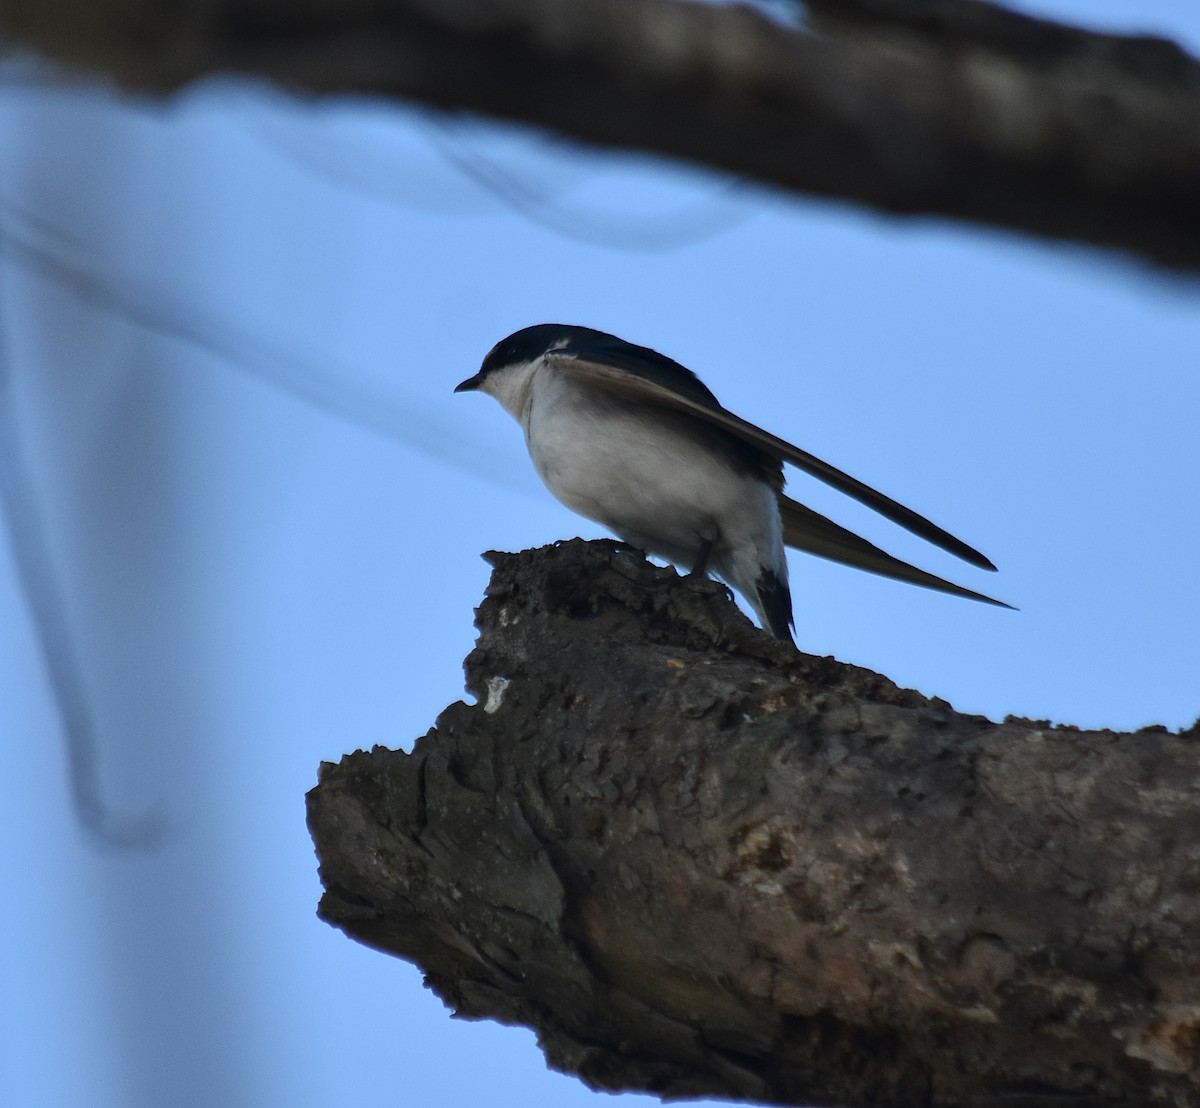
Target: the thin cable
(542, 202)
(651, 234)
(324, 385)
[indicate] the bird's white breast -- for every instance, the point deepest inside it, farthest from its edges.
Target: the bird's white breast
(639, 472)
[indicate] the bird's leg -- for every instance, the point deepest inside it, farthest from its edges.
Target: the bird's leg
(700, 565)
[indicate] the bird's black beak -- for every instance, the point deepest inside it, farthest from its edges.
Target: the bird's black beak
(470, 384)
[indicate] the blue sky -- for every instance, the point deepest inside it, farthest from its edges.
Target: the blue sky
(264, 509)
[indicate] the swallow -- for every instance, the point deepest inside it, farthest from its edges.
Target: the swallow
(633, 440)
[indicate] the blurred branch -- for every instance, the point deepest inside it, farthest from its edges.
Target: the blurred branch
(33, 560)
(950, 108)
(698, 863)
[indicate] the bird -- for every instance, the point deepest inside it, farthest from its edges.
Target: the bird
(631, 439)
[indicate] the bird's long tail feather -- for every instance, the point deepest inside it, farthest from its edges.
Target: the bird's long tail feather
(812, 532)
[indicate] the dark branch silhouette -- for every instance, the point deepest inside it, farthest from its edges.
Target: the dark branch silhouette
(699, 863)
(949, 108)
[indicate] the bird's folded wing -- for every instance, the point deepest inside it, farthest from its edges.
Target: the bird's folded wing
(623, 376)
(812, 532)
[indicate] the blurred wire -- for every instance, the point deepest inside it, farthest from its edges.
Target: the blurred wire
(370, 159)
(31, 551)
(673, 230)
(538, 197)
(326, 385)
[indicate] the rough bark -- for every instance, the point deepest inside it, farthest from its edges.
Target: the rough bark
(947, 108)
(697, 862)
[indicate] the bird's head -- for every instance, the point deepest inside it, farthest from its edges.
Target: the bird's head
(506, 370)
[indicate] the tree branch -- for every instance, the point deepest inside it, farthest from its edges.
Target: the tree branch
(699, 863)
(949, 108)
